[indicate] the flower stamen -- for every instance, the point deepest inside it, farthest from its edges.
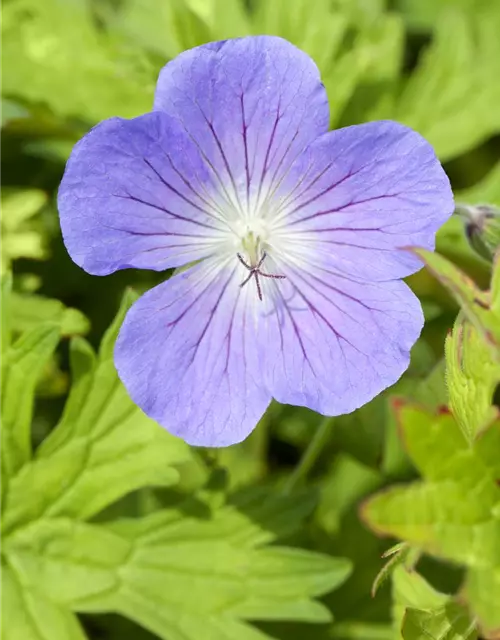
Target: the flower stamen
(255, 272)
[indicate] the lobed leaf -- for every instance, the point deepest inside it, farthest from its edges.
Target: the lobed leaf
(178, 575)
(22, 365)
(454, 512)
(472, 375)
(198, 570)
(27, 614)
(102, 448)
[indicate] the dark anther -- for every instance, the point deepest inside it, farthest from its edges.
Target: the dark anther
(255, 272)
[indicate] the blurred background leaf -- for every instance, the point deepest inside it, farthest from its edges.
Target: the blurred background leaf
(456, 82)
(67, 64)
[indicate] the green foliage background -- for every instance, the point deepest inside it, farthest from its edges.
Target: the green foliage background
(380, 525)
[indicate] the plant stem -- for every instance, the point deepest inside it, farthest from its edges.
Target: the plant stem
(310, 455)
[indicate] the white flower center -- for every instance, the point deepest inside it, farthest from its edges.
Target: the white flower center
(251, 238)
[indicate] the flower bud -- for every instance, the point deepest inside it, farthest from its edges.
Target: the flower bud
(482, 228)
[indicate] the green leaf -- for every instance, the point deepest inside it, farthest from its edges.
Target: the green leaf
(167, 28)
(449, 622)
(431, 390)
(12, 110)
(179, 576)
(6, 327)
(422, 613)
(487, 447)
(481, 308)
(109, 338)
(454, 512)
(364, 11)
(422, 14)
(482, 589)
(27, 614)
(472, 375)
(268, 515)
(353, 46)
(21, 237)
(245, 462)
(456, 82)
(410, 589)
(102, 448)
(223, 18)
(346, 482)
(312, 27)
(22, 244)
(205, 9)
(22, 366)
(20, 205)
(361, 433)
(342, 531)
(228, 18)
(200, 569)
(55, 41)
(451, 514)
(28, 311)
(363, 73)
(86, 555)
(431, 516)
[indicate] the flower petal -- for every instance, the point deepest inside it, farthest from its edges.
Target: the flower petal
(186, 354)
(252, 104)
(335, 343)
(136, 193)
(358, 195)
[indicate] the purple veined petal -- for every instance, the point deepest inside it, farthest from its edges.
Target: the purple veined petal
(358, 195)
(187, 355)
(137, 193)
(334, 343)
(251, 104)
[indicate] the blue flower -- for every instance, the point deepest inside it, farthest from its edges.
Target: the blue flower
(296, 236)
